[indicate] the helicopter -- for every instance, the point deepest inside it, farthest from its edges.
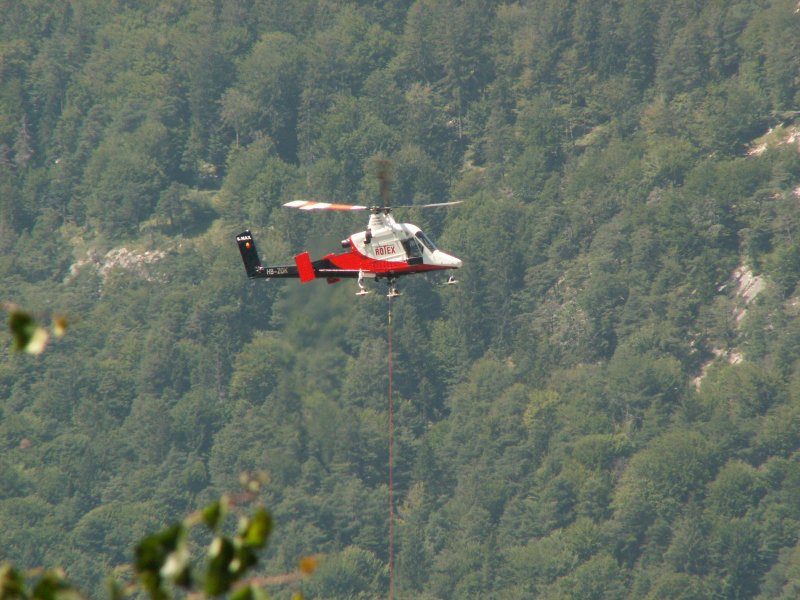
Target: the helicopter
(386, 249)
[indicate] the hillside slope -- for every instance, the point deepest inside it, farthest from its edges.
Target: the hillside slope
(602, 408)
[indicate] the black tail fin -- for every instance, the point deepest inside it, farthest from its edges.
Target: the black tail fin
(247, 247)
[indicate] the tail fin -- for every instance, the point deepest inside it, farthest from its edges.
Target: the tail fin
(305, 270)
(247, 247)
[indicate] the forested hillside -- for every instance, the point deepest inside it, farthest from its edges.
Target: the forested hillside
(606, 407)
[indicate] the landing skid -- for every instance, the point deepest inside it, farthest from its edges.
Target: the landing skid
(362, 290)
(392, 293)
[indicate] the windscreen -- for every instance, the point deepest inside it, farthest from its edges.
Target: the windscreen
(426, 240)
(412, 247)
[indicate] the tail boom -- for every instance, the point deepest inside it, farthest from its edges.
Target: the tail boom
(304, 269)
(252, 262)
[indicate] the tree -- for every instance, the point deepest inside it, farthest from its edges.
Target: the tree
(354, 573)
(677, 586)
(736, 489)
(121, 186)
(783, 580)
(23, 145)
(598, 578)
(683, 65)
(738, 567)
(270, 97)
(658, 480)
(239, 112)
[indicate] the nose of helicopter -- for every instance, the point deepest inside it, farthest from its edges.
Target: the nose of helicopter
(446, 260)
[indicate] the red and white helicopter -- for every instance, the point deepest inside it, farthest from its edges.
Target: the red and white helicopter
(387, 249)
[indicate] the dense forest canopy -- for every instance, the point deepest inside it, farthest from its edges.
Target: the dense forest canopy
(607, 405)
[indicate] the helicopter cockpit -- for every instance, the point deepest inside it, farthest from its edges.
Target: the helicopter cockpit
(426, 241)
(416, 245)
(413, 250)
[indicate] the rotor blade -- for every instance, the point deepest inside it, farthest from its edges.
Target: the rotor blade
(436, 205)
(314, 205)
(385, 179)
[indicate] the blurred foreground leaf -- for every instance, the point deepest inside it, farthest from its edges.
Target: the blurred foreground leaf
(164, 561)
(257, 529)
(12, 584)
(28, 336)
(152, 556)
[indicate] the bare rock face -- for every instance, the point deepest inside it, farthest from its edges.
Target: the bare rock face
(137, 264)
(746, 287)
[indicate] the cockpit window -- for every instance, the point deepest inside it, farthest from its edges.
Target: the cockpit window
(426, 240)
(412, 247)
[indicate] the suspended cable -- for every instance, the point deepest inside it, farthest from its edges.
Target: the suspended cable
(391, 466)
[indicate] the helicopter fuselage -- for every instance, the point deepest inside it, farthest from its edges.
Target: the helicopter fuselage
(385, 249)
(388, 248)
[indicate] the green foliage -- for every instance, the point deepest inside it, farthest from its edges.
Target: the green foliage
(166, 563)
(606, 405)
(353, 573)
(660, 479)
